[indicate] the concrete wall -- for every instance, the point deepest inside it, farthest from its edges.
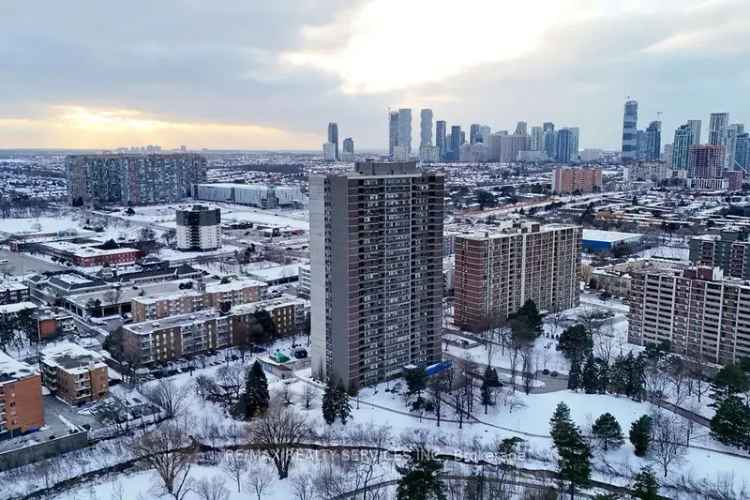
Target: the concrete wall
(28, 454)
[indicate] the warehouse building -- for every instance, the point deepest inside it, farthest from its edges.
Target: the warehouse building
(595, 240)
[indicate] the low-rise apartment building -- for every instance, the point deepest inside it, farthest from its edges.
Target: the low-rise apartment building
(287, 315)
(697, 310)
(73, 373)
(177, 336)
(218, 295)
(496, 273)
(12, 292)
(182, 335)
(21, 408)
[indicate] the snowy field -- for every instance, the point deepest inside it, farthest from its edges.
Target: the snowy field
(676, 253)
(164, 215)
(32, 225)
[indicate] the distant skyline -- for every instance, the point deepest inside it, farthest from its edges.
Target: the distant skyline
(262, 75)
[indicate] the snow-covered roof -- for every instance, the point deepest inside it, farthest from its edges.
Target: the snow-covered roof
(17, 307)
(12, 369)
(234, 285)
(70, 357)
(608, 236)
(276, 273)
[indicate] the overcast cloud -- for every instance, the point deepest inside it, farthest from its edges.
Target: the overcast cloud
(259, 74)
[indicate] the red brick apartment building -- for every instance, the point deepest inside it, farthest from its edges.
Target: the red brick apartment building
(21, 407)
(496, 273)
(73, 373)
(569, 180)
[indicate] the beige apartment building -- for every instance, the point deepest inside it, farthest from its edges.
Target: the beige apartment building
(177, 336)
(496, 273)
(697, 310)
(186, 301)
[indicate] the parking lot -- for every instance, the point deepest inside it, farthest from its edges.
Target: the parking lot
(19, 264)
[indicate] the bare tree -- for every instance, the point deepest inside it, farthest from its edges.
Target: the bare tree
(278, 434)
(235, 465)
(212, 489)
(527, 368)
(231, 378)
(172, 398)
(437, 387)
(48, 470)
(308, 394)
(168, 450)
(259, 479)
(666, 434)
(606, 342)
(303, 486)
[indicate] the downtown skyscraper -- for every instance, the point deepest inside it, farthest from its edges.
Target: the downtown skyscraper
(653, 141)
(333, 138)
(441, 138)
(376, 263)
(630, 131)
(425, 127)
(684, 137)
(399, 134)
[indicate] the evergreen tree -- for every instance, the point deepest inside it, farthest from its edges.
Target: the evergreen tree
(416, 381)
(590, 378)
(640, 435)
(607, 431)
(490, 375)
(636, 373)
(560, 422)
(343, 408)
(575, 342)
(490, 381)
(329, 405)
(645, 486)
(731, 423)
(618, 375)
(574, 454)
(256, 392)
(574, 377)
(530, 311)
(420, 477)
(729, 381)
(602, 379)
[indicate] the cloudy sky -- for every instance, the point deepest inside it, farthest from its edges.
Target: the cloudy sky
(262, 74)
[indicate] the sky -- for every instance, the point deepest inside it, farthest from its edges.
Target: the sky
(252, 74)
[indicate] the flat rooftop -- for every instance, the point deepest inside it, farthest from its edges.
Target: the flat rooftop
(608, 236)
(17, 307)
(510, 230)
(12, 369)
(129, 291)
(146, 327)
(70, 357)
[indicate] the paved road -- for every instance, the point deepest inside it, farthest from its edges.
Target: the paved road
(19, 263)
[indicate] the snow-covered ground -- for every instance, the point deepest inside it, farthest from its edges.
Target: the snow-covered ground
(668, 252)
(164, 215)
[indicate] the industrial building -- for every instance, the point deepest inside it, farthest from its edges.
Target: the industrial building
(255, 195)
(595, 240)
